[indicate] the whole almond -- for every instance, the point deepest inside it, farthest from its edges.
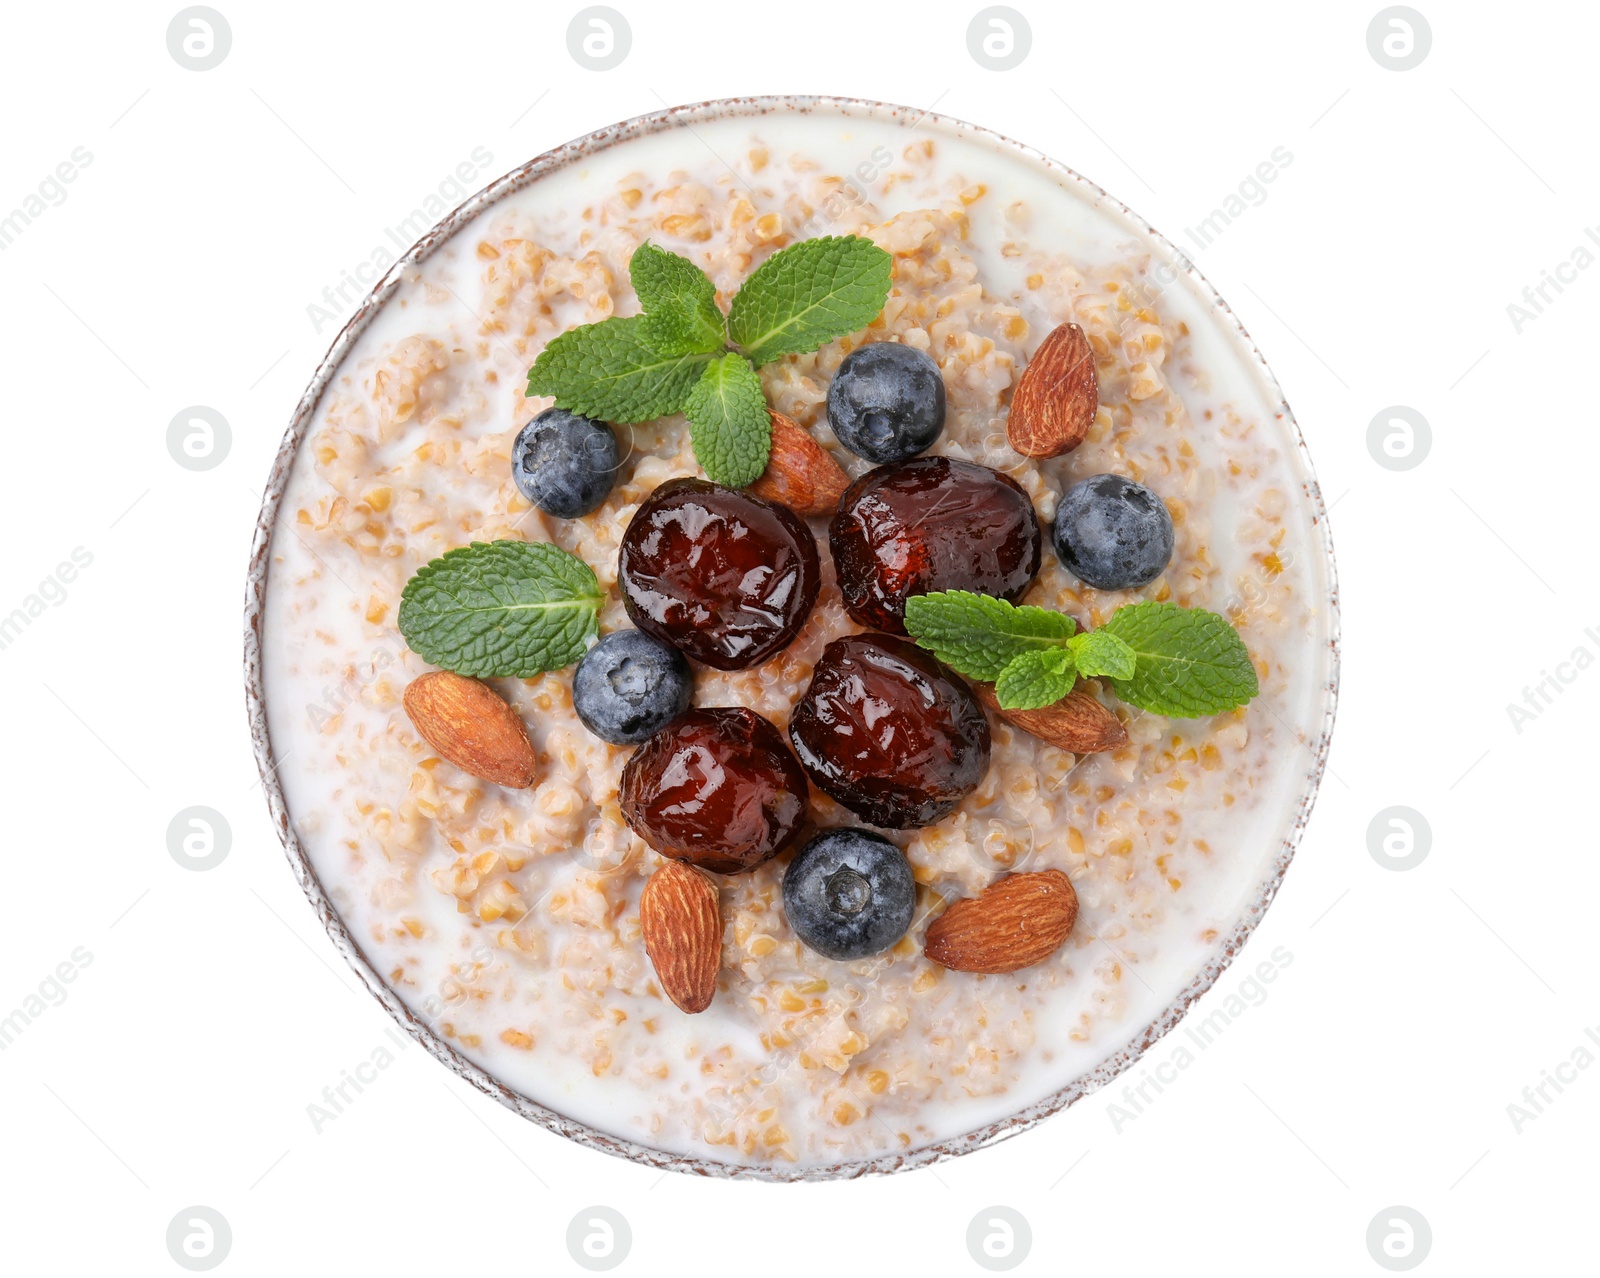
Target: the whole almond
(682, 928)
(1014, 923)
(1078, 722)
(469, 725)
(801, 474)
(1055, 401)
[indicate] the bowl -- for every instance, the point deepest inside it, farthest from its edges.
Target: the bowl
(1227, 346)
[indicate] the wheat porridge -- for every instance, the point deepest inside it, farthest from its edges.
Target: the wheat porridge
(508, 915)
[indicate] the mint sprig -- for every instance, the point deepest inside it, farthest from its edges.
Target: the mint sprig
(501, 608)
(980, 635)
(1190, 662)
(804, 296)
(1185, 663)
(676, 357)
(1034, 680)
(679, 301)
(1101, 652)
(614, 371)
(724, 409)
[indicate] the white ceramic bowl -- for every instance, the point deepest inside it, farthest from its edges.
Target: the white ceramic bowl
(1228, 341)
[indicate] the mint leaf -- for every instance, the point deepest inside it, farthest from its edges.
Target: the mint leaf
(1181, 662)
(979, 635)
(1191, 663)
(501, 608)
(679, 301)
(729, 425)
(1034, 680)
(804, 296)
(1102, 653)
(612, 371)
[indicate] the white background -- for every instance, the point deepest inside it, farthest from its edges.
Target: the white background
(1418, 1005)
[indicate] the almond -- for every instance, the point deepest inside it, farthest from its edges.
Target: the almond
(1078, 722)
(1055, 401)
(682, 929)
(468, 723)
(801, 474)
(1015, 922)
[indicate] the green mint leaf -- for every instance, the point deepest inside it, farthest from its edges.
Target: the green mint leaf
(728, 421)
(1034, 680)
(612, 372)
(1102, 653)
(679, 301)
(1191, 663)
(979, 635)
(804, 296)
(495, 608)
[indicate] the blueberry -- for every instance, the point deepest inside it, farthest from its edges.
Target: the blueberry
(886, 402)
(1112, 533)
(849, 894)
(629, 685)
(564, 464)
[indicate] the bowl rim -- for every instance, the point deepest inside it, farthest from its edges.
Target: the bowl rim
(686, 116)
